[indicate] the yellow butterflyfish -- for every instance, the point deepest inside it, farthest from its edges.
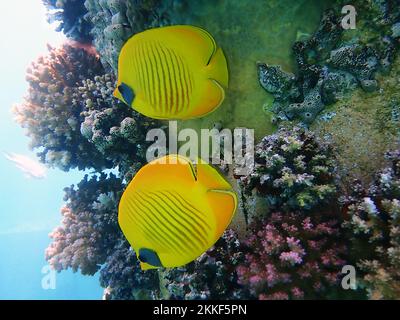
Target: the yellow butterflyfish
(172, 212)
(175, 72)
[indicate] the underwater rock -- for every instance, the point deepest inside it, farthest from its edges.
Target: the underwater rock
(293, 170)
(395, 114)
(329, 58)
(327, 36)
(396, 30)
(380, 12)
(70, 14)
(89, 229)
(336, 85)
(307, 110)
(363, 129)
(310, 52)
(361, 61)
(276, 81)
(211, 276)
(374, 225)
(388, 48)
(299, 97)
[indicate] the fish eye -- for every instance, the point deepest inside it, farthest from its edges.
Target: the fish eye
(127, 93)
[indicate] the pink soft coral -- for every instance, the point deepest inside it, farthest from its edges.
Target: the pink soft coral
(291, 256)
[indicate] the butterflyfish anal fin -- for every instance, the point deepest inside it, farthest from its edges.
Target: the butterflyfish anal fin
(145, 266)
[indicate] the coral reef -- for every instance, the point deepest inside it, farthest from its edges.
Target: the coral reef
(211, 276)
(301, 95)
(378, 13)
(331, 64)
(374, 224)
(292, 256)
(360, 61)
(71, 112)
(293, 170)
(294, 247)
(51, 115)
(115, 21)
(89, 239)
(70, 15)
(89, 229)
(115, 129)
(124, 280)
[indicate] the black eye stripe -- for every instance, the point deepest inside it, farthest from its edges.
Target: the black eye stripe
(149, 256)
(127, 93)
